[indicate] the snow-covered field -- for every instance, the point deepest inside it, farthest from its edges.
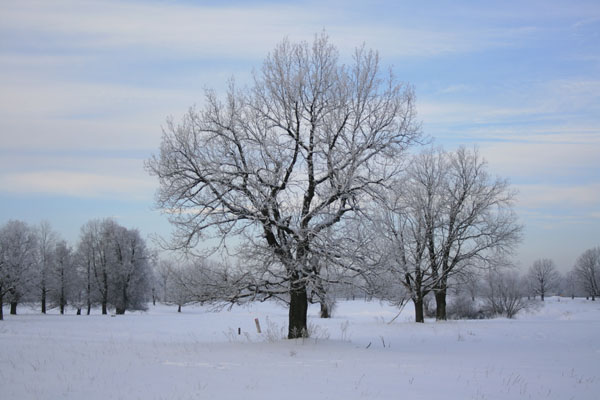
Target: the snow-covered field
(552, 353)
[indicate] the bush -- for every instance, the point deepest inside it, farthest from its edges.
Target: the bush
(463, 307)
(504, 294)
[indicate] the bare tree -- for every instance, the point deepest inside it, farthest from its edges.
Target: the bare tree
(281, 162)
(587, 271)
(62, 276)
(162, 274)
(129, 272)
(95, 248)
(476, 226)
(47, 240)
(18, 243)
(503, 293)
(88, 257)
(543, 277)
(445, 217)
(399, 251)
(569, 284)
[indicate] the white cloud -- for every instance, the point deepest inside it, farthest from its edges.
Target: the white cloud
(54, 115)
(241, 31)
(77, 184)
(543, 162)
(576, 198)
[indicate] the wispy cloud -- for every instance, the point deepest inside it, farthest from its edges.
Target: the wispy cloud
(247, 30)
(77, 184)
(574, 197)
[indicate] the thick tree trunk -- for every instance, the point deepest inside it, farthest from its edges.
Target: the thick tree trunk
(79, 311)
(178, 307)
(440, 305)
(89, 307)
(13, 308)
(1, 306)
(419, 315)
(124, 301)
(297, 313)
(104, 311)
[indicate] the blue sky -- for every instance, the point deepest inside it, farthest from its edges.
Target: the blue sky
(86, 86)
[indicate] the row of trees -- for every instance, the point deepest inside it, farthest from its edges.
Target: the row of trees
(110, 266)
(308, 169)
(307, 172)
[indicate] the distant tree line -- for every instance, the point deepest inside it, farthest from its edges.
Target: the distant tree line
(110, 266)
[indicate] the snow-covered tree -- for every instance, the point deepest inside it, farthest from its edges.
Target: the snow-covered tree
(503, 293)
(117, 265)
(162, 275)
(95, 248)
(476, 225)
(281, 162)
(569, 284)
(129, 270)
(47, 240)
(18, 244)
(587, 271)
(445, 217)
(543, 277)
(62, 276)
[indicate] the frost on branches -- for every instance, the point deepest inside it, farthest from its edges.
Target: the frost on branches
(282, 162)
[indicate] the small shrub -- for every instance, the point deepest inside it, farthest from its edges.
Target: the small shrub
(504, 294)
(463, 307)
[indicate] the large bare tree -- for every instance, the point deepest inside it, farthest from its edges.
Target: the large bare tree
(476, 225)
(446, 216)
(283, 161)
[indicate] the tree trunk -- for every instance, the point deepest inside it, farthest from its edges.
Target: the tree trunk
(79, 311)
(1, 305)
(88, 291)
(178, 307)
(104, 292)
(43, 298)
(124, 299)
(297, 313)
(13, 308)
(62, 298)
(419, 315)
(325, 310)
(440, 305)
(120, 310)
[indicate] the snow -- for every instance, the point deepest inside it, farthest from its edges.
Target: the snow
(549, 353)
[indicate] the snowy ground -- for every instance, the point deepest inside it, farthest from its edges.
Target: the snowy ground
(553, 353)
